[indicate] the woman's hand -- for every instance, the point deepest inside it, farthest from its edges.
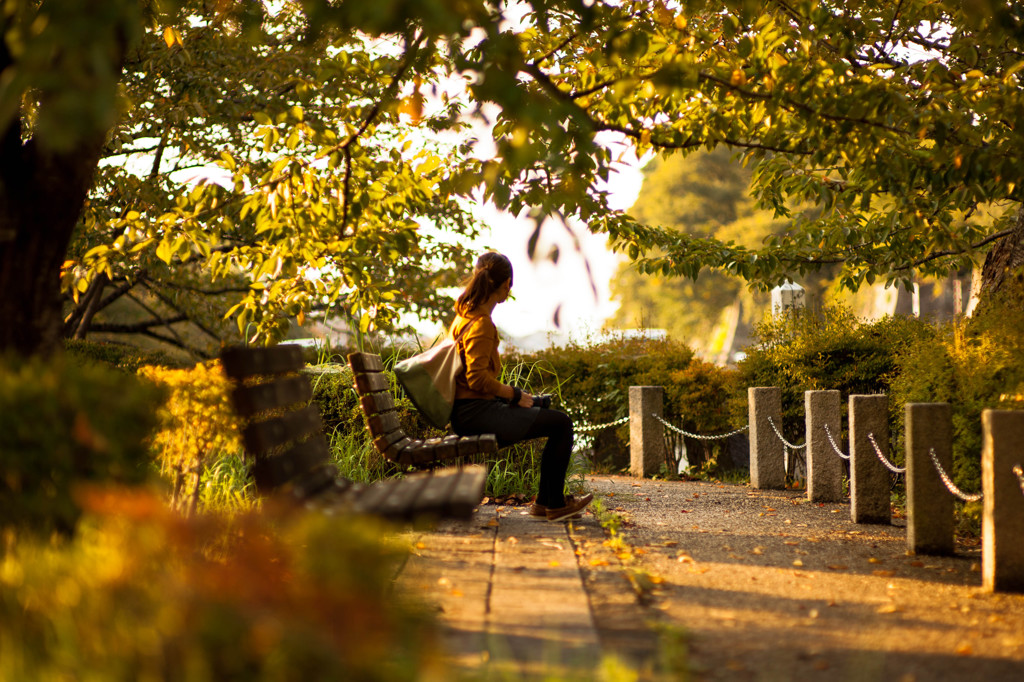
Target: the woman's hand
(526, 400)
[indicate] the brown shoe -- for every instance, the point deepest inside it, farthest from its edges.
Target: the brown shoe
(538, 509)
(574, 506)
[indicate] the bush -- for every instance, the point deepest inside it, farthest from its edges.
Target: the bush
(63, 423)
(145, 594)
(592, 384)
(974, 365)
(118, 355)
(828, 350)
(198, 427)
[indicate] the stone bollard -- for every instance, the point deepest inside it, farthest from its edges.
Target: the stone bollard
(929, 504)
(767, 457)
(1002, 524)
(646, 434)
(869, 479)
(825, 468)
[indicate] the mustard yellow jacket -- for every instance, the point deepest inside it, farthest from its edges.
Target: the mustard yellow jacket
(477, 339)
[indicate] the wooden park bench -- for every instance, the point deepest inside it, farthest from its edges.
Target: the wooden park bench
(389, 437)
(289, 455)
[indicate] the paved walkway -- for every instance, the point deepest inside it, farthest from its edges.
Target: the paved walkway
(709, 582)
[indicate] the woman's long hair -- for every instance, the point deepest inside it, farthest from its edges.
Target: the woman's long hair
(491, 272)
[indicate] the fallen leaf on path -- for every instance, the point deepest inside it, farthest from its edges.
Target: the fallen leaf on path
(837, 567)
(457, 593)
(492, 523)
(443, 581)
(798, 563)
(420, 545)
(757, 550)
(964, 650)
(685, 511)
(883, 574)
(873, 560)
(888, 608)
(791, 543)
(669, 543)
(598, 562)
(554, 563)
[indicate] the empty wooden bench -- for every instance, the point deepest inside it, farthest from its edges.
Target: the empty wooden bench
(390, 439)
(288, 453)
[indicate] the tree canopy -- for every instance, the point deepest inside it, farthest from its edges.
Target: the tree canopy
(900, 122)
(706, 194)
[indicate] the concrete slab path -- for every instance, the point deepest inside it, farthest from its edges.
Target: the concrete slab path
(708, 581)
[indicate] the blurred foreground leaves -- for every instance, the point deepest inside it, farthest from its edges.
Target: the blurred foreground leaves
(143, 593)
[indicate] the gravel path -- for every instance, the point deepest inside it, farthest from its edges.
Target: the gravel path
(711, 582)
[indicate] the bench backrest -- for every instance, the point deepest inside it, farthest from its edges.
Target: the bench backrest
(389, 438)
(283, 435)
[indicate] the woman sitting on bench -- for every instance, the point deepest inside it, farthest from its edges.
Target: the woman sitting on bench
(485, 405)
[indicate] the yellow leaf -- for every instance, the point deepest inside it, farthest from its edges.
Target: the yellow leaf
(554, 563)
(964, 650)
(888, 608)
(798, 563)
(169, 36)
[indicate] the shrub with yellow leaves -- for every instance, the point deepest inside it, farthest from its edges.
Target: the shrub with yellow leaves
(197, 425)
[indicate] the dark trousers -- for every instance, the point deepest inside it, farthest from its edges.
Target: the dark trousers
(517, 424)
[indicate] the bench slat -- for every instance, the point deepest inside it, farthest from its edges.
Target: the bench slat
(369, 499)
(250, 400)
(379, 424)
(384, 441)
(434, 496)
(375, 403)
(403, 498)
(395, 450)
(468, 491)
(241, 363)
(365, 362)
(277, 470)
(262, 436)
(371, 382)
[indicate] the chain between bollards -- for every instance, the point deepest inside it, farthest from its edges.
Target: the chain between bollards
(949, 482)
(888, 465)
(785, 442)
(696, 435)
(832, 442)
(598, 427)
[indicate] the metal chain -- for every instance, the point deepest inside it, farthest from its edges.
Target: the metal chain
(949, 482)
(828, 432)
(784, 441)
(598, 427)
(888, 465)
(697, 435)
(1018, 471)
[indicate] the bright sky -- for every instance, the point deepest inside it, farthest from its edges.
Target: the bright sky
(541, 287)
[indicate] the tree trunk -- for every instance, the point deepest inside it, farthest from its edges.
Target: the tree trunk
(41, 198)
(1004, 260)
